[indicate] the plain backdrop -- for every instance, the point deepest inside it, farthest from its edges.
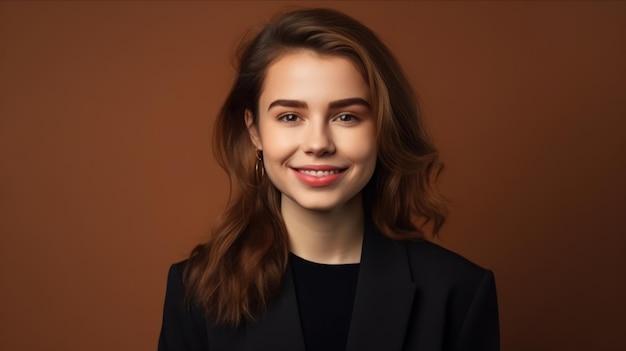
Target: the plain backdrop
(107, 177)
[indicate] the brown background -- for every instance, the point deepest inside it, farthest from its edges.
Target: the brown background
(107, 177)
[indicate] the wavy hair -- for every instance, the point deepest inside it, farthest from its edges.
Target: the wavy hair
(240, 267)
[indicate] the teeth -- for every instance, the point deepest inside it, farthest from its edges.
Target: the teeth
(318, 173)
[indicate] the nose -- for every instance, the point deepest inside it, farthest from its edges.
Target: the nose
(317, 139)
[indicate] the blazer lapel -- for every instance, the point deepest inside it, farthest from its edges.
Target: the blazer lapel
(279, 328)
(384, 295)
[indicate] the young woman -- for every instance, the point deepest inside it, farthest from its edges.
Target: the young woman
(322, 245)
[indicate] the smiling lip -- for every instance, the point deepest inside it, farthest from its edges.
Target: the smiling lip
(318, 175)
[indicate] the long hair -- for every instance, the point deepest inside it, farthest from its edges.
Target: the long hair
(240, 267)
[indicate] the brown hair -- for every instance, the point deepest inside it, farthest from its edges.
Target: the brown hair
(241, 265)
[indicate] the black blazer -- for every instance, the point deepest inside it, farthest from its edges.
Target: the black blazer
(410, 296)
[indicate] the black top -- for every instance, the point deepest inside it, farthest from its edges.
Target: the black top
(325, 294)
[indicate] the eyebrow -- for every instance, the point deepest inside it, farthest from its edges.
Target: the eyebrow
(334, 104)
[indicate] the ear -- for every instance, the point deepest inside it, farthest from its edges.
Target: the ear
(253, 131)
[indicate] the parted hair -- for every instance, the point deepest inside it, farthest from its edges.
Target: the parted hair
(239, 268)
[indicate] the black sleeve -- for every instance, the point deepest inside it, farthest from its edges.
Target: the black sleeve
(480, 329)
(184, 327)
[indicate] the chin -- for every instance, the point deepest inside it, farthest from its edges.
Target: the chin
(319, 202)
(319, 207)
(323, 204)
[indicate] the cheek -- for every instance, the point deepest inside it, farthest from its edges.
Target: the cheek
(360, 147)
(278, 145)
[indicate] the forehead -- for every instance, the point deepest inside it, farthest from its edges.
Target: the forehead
(313, 78)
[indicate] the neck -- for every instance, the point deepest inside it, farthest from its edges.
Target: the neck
(330, 237)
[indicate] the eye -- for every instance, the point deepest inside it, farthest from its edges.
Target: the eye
(288, 117)
(346, 118)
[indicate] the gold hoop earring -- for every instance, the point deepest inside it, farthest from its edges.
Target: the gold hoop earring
(259, 168)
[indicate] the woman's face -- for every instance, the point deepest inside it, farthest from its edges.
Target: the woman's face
(316, 130)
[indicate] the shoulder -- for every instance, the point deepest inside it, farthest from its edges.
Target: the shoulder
(177, 270)
(464, 292)
(176, 290)
(184, 324)
(175, 277)
(435, 265)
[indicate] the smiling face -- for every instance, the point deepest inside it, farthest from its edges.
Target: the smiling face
(316, 130)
